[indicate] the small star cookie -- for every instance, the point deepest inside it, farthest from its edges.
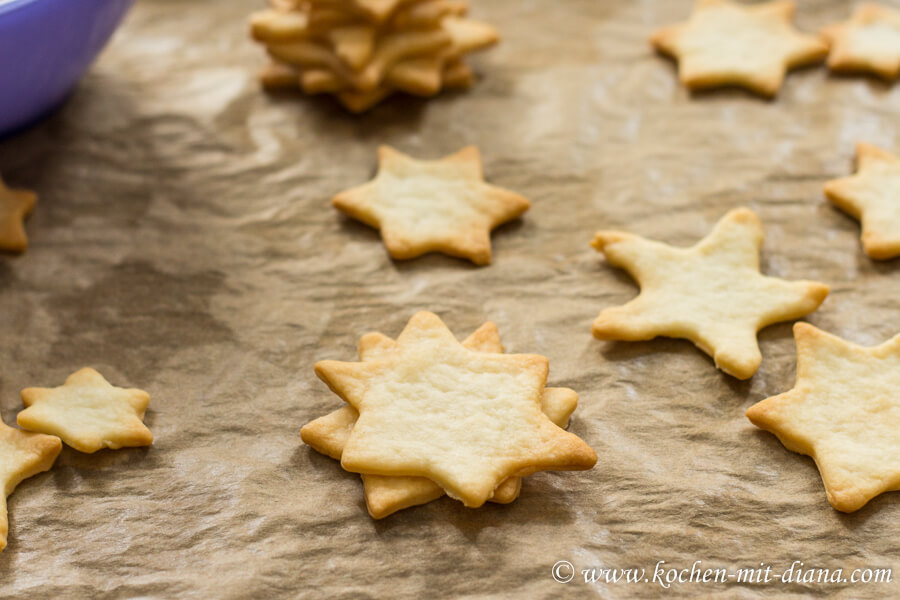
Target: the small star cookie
(711, 293)
(15, 206)
(22, 455)
(868, 43)
(872, 196)
(432, 206)
(387, 495)
(88, 413)
(466, 420)
(844, 412)
(726, 43)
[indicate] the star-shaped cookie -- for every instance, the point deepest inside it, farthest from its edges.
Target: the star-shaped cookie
(15, 206)
(868, 43)
(465, 420)
(386, 495)
(844, 412)
(22, 455)
(711, 293)
(873, 197)
(88, 413)
(432, 206)
(726, 43)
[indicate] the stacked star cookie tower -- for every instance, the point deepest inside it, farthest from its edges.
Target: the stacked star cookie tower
(463, 419)
(362, 51)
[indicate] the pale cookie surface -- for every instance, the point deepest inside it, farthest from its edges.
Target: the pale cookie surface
(425, 206)
(869, 42)
(844, 412)
(726, 43)
(22, 455)
(386, 495)
(465, 420)
(15, 206)
(88, 413)
(711, 293)
(872, 195)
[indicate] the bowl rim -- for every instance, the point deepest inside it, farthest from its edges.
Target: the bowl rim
(11, 5)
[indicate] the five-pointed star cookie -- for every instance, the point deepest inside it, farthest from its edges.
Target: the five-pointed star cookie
(726, 43)
(432, 206)
(872, 196)
(21, 456)
(386, 495)
(869, 42)
(15, 206)
(711, 293)
(844, 412)
(88, 413)
(466, 420)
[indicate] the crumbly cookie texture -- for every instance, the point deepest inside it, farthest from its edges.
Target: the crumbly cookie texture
(726, 43)
(466, 420)
(869, 42)
(15, 206)
(872, 196)
(22, 455)
(844, 412)
(386, 495)
(711, 293)
(88, 413)
(424, 206)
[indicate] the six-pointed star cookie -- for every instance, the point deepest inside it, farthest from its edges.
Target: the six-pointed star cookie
(15, 206)
(725, 43)
(872, 196)
(466, 420)
(844, 412)
(88, 413)
(386, 495)
(711, 293)
(432, 206)
(868, 43)
(21, 456)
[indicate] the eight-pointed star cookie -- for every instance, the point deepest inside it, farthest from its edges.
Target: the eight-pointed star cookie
(844, 412)
(466, 420)
(725, 43)
(711, 293)
(88, 413)
(22, 455)
(432, 206)
(386, 495)
(15, 206)
(867, 43)
(873, 197)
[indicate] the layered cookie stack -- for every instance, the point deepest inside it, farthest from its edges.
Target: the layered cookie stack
(362, 51)
(427, 415)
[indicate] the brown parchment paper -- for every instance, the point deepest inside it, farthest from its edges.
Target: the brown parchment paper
(184, 243)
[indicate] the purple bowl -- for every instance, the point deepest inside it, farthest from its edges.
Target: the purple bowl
(45, 47)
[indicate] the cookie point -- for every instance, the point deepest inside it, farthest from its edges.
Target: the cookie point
(743, 215)
(804, 329)
(602, 239)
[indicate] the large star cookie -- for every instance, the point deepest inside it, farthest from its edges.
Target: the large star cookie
(15, 206)
(711, 293)
(844, 412)
(386, 495)
(466, 420)
(872, 196)
(432, 206)
(21, 456)
(88, 413)
(868, 43)
(725, 43)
